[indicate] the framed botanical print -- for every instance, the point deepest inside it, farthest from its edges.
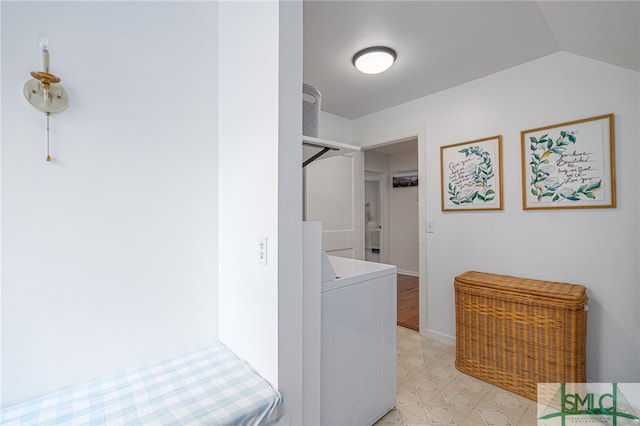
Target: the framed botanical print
(471, 174)
(569, 165)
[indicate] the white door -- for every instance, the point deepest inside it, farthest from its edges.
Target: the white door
(332, 186)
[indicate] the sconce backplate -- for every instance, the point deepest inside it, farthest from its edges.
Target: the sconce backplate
(56, 101)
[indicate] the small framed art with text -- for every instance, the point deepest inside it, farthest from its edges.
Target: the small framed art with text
(471, 175)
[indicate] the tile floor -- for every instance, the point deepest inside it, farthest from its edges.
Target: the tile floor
(432, 392)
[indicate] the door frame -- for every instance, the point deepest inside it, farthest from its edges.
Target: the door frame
(421, 135)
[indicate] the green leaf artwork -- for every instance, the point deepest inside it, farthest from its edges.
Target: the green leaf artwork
(477, 174)
(558, 175)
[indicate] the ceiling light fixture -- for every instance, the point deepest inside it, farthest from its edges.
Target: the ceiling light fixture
(374, 60)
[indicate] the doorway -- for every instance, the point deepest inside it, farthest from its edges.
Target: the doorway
(391, 219)
(373, 211)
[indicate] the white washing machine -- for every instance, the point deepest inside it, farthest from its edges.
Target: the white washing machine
(358, 356)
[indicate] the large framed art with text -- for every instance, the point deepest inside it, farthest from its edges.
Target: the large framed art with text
(569, 165)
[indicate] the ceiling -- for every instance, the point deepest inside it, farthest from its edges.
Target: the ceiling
(442, 44)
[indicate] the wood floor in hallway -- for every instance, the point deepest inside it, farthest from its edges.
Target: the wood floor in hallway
(408, 301)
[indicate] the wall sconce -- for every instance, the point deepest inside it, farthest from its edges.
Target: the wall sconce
(43, 91)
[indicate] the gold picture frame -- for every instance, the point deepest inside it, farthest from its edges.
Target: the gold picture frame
(570, 165)
(471, 175)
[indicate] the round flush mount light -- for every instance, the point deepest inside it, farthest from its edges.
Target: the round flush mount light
(374, 60)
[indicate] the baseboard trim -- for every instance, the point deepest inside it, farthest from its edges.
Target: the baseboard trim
(410, 273)
(440, 337)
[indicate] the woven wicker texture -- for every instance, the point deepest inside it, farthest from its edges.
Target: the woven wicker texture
(517, 332)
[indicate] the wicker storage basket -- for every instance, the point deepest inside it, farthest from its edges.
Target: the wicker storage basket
(516, 332)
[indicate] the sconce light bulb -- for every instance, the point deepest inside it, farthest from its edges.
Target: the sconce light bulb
(44, 42)
(44, 45)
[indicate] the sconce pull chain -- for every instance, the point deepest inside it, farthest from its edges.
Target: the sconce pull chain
(48, 156)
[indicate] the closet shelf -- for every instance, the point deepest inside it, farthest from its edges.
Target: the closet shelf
(314, 148)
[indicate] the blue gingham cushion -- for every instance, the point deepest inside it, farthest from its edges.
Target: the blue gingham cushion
(212, 386)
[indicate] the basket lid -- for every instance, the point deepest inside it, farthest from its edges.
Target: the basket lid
(550, 289)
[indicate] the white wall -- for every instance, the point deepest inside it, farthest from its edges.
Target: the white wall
(376, 162)
(108, 252)
(291, 315)
(334, 127)
(596, 247)
(248, 181)
(260, 192)
(403, 217)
